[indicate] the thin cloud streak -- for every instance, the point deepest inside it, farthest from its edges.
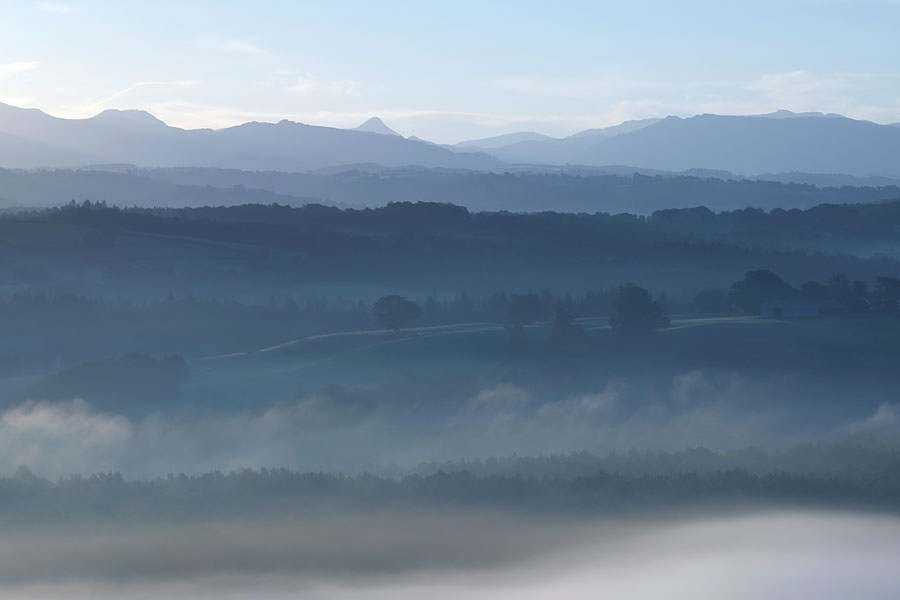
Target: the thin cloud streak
(140, 84)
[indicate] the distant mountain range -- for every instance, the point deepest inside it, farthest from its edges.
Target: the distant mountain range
(30, 138)
(801, 145)
(778, 142)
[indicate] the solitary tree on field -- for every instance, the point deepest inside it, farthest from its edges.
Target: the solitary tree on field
(758, 287)
(393, 312)
(634, 309)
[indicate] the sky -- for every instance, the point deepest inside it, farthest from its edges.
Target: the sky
(450, 71)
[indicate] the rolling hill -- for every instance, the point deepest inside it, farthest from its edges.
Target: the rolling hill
(30, 138)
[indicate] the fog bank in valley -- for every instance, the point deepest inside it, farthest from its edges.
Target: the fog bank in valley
(808, 556)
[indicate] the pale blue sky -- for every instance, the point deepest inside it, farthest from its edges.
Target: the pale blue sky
(449, 71)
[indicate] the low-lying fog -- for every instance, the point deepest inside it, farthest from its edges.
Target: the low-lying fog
(773, 555)
(687, 530)
(350, 431)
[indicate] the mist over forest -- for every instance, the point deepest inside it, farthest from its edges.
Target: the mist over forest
(219, 371)
(394, 300)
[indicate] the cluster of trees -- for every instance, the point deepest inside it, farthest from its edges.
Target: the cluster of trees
(837, 295)
(631, 308)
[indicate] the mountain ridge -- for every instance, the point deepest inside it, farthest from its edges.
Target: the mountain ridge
(744, 145)
(140, 138)
(781, 142)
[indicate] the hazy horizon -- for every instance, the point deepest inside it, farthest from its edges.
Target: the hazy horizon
(449, 74)
(276, 119)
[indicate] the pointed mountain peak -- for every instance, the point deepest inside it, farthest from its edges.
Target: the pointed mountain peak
(376, 125)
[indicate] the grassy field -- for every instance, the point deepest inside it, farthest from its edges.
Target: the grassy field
(850, 353)
(835, 361)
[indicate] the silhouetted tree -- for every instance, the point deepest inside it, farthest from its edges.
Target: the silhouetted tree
(634, 309)
(393, 312)
(758, 287)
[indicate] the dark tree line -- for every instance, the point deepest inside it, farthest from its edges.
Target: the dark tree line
(264, 491)
(424, 230)
(876, 220)
(836, 295)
